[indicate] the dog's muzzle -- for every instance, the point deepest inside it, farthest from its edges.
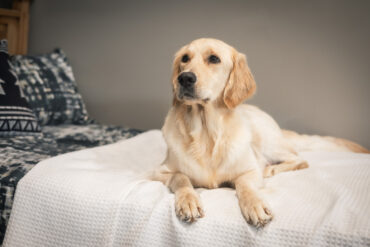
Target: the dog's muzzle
(187, 81)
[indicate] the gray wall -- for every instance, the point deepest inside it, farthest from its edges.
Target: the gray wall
(310, 58)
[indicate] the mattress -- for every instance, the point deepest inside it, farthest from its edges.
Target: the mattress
(101, 197)
(20, 154)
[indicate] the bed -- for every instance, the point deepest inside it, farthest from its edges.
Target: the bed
(101, 197)
(66, 180)
(20, 154)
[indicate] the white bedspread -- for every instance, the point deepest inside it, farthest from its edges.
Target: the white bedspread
(98, 197)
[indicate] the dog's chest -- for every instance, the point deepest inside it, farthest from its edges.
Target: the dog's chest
(214, 159)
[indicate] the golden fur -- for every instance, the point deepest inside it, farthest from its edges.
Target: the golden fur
(214, 139)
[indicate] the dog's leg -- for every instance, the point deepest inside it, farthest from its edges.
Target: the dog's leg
(290, 161)
(187, 202)
(285, 166)
(252, 206)
(188, 206)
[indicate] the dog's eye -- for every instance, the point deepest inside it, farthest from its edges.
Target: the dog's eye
(185, 58)
(214, 59)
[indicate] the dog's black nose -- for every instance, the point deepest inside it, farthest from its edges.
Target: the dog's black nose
(187, 79)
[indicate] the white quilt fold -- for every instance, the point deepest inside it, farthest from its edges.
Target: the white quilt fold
(100, 197)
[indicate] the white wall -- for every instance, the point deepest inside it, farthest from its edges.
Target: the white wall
(310, 58)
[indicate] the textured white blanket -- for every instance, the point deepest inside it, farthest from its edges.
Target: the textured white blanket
(98, 197)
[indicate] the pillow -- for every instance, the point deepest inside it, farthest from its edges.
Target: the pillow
(49, 86)
(16, 118)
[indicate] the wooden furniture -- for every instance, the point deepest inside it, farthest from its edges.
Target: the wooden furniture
(14, 26)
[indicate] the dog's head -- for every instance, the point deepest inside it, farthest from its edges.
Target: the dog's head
(207, 70)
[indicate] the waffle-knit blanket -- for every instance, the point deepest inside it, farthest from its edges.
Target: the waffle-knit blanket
(100, 197)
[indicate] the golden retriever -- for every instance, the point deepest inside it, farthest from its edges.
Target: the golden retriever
(213, 139)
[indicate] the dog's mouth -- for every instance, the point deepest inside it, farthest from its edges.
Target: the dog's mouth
(186, 94)
(189, 96)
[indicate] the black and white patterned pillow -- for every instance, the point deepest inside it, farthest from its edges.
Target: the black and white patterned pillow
(50, 88)
(16, 118)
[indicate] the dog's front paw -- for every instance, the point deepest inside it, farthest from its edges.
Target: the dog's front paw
(255, 211)
(188, 206)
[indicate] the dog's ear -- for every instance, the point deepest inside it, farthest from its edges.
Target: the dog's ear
(175, 74)
(176, 68)
(241, 84)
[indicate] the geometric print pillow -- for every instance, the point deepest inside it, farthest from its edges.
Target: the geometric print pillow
(16, 118)
(50, 88)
